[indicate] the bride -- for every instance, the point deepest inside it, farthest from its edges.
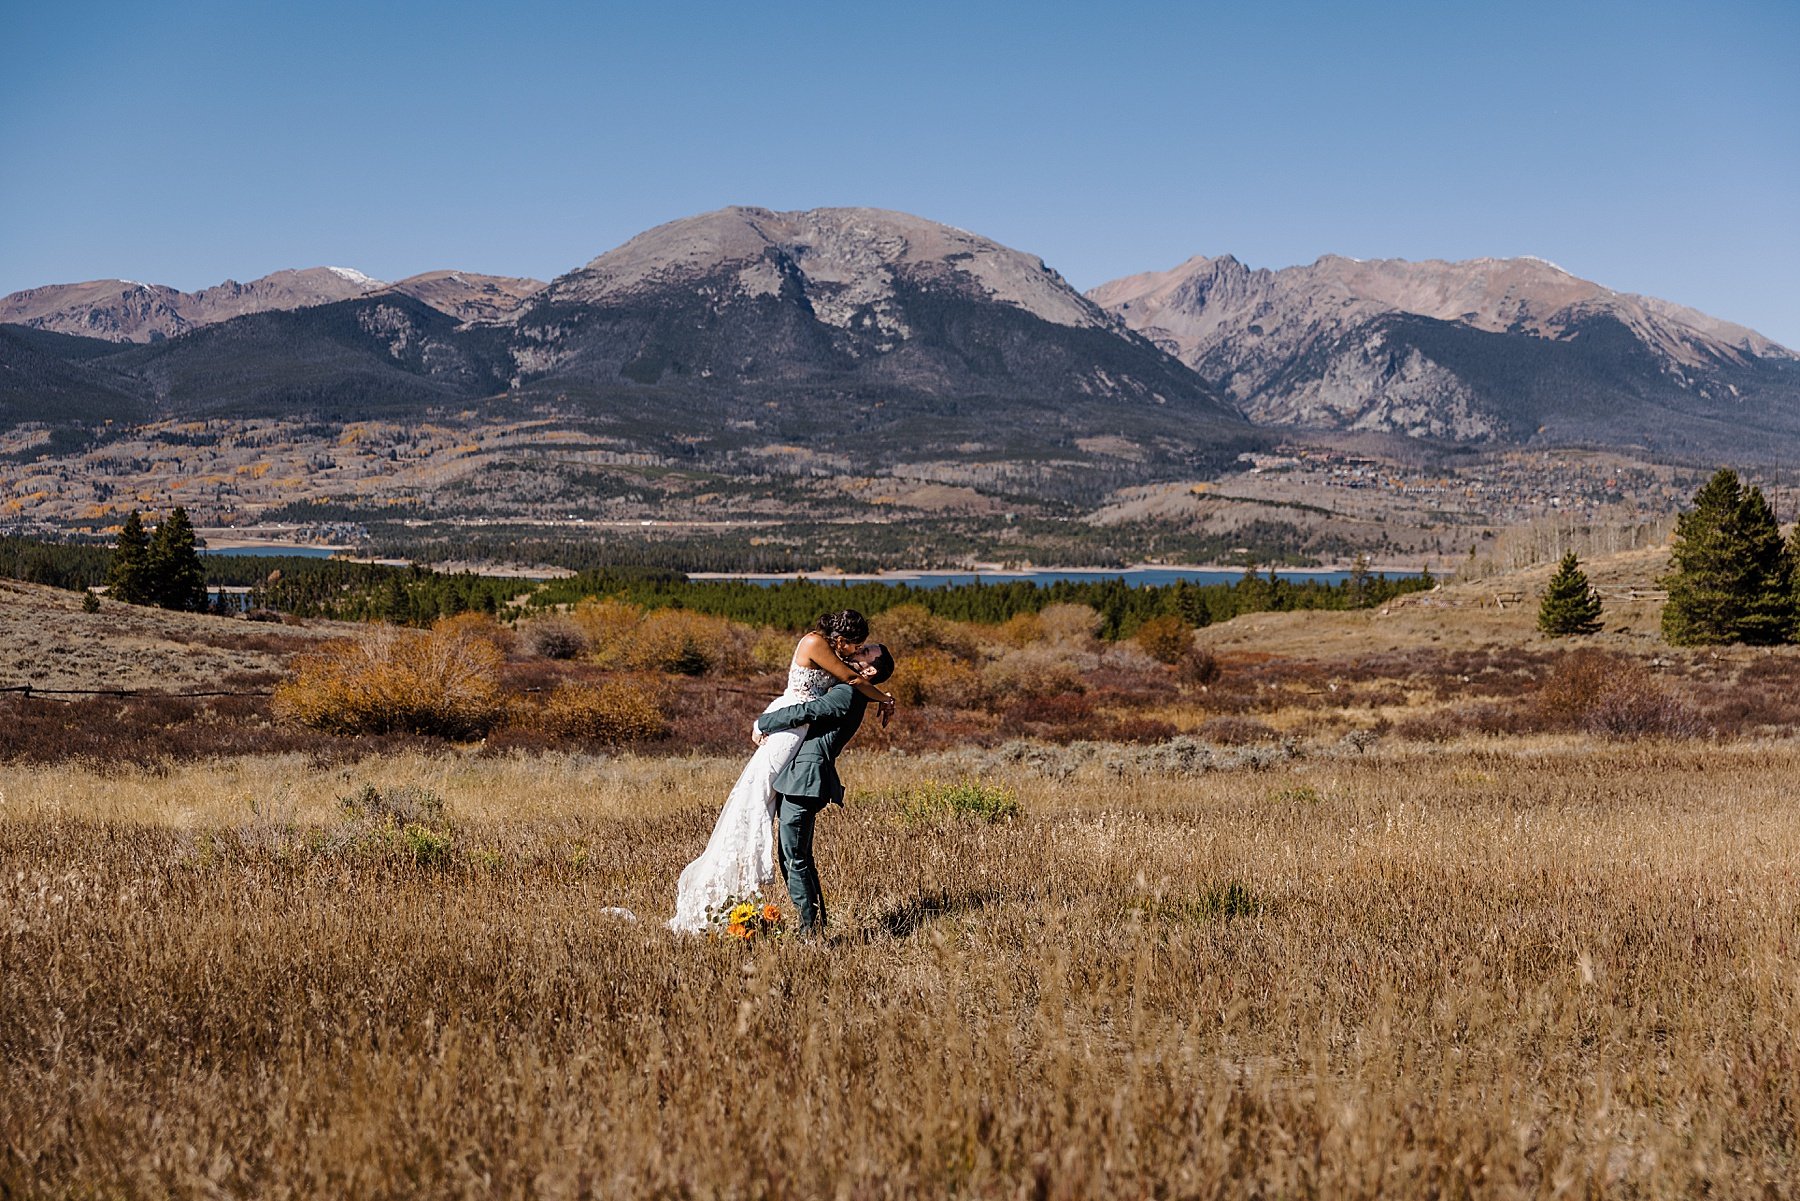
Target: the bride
(739, 859)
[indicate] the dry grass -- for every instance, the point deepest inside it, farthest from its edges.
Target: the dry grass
(1549, 970)
(1457, 614)
(48, 642)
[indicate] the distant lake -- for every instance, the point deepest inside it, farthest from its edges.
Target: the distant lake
(1138, 577)
(301, 552)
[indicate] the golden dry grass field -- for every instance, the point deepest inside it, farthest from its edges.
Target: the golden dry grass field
(1530, 967)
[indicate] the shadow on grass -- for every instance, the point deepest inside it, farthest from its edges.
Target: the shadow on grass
(905, 919)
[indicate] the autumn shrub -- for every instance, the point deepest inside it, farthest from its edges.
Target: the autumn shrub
(1021, 629)
(772, 650)
(1635, 704)
(616, 712)
(480, 626)
(1033, 671)
(1484, 718)
(936, 677)
(682, 642)
(909, 629)
(1198, 667)
(1131, 729)
(444, 682)
(1613, 697)
(1574, 683)
(609, 626)
(1051, 709)
(554, 638)
(1166, 639)
(1069, 624)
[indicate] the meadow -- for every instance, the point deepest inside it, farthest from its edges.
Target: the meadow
(1557, 968)
(1400, 901)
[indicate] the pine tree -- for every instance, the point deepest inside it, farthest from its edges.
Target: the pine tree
(1570, 605)
(177, 580)
(1793, 565)
(1358, 589)
(128, 578)
(1731, 581)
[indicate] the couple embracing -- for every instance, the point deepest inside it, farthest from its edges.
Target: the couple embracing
(834, 676)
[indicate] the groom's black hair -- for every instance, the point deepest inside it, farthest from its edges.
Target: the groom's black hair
(883, 663)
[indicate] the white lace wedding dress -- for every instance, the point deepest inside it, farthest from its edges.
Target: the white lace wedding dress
(739, 859)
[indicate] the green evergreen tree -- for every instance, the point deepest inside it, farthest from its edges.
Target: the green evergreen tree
(1569, 605)
(1732, 581)
(1358, 584)
(1793, 566)
(395, 605)
(128, 578)
(177, 580)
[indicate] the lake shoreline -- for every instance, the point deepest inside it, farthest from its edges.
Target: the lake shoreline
(986, 573)
(996, 574)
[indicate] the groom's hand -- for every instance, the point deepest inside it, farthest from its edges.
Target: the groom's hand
(757, 737)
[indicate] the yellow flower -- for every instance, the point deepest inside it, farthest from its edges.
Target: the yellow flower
(742, 913)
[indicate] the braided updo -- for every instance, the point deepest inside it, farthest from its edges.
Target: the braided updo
(846, 626)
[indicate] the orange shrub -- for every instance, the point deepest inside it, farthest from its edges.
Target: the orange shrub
(1165, 639)
(772, 650)
(616, 711)
(481, 626)
(1075, 624)
(445, 681)
(684, 642)
(609, 626)
(906, 629)
(1576, 682)
(1034, 671)
(1021, 629)
(934, 677)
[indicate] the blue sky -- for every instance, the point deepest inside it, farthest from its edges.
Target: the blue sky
(1652, 146)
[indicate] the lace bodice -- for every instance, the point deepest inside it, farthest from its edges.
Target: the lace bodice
(808, 683)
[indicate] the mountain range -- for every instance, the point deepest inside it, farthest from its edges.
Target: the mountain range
(1509, 349)
(123, 310)
(835, 327)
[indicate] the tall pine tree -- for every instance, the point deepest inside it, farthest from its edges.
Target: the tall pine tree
(128, 578)
(1570, 604)
(1731, 581)
(1793, 558)
(177, 580)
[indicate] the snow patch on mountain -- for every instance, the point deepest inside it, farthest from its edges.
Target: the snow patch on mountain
(355, 276)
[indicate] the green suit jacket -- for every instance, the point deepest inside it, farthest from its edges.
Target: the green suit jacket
(831, 721)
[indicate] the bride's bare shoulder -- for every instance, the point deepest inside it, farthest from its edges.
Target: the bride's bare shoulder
(812, 650)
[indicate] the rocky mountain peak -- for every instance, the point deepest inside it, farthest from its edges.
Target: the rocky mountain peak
(1474, 349)
(844, 261)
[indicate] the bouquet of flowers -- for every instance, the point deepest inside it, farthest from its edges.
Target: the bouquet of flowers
(745, 919)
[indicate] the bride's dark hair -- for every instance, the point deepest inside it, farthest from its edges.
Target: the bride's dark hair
(845, 624)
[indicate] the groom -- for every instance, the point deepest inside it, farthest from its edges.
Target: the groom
(810, 781)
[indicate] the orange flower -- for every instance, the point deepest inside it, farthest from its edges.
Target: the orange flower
(772, 914)
(738, 930)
